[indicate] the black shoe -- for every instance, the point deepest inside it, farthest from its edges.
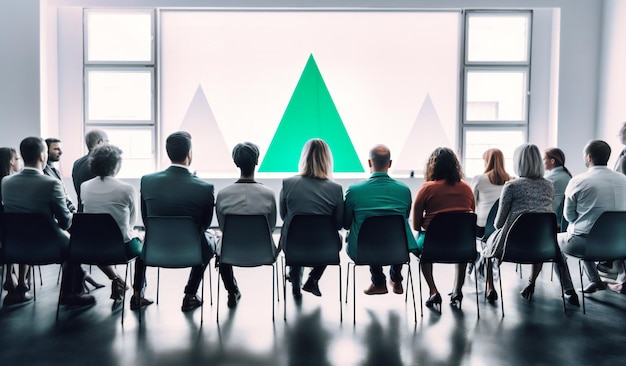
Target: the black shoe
(78, 300)
(433, 300)
(594, 286)
(191, 302)
(118, 287)
(311, 286)
(233, 298)
(456, 298)
(14, 298)
(295, 291)
(528, 291)
(492, 296)
(572, 298)
(137, 302)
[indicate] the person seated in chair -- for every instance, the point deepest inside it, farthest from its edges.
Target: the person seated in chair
(443, 191)
(378, 196)
(587, 196)
(175, 191)
(106, 194)
(310, 193)
(244, 197)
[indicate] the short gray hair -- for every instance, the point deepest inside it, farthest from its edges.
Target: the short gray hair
(527, 161)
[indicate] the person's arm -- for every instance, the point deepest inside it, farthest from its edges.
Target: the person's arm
(570, 204)
(348, 211)
(504, 207)
(59, 208)
(418, 208)
(272, 216)
(283, 202)
(338, 212)
(144, 210)
(207, 216)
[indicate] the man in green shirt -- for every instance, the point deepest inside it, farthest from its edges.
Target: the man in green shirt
(379, 195)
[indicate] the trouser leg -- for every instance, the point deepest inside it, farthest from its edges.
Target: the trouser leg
(378, 277)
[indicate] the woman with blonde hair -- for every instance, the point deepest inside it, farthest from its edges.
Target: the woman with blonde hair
(312, 192)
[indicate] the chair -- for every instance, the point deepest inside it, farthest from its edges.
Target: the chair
(21, 244)
(312, 240)
(450, 238)
(247, 242)
(531, 239)
(491, 218)
(382, 241)
(96, 239)
(173, 242)
(606, 242)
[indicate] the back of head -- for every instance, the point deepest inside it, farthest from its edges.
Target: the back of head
(51, 140)
(31, 149)
(178, 146)
(94, 137)
(558, 156)
(316, 160)
(494, 167)
(6, 154)
(443, 164)
(246, 157)
(105, 160)
(380, 156)
(527, 161)
(598, 151)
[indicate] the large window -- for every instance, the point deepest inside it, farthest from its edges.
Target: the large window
(119, 88)
(496, 73)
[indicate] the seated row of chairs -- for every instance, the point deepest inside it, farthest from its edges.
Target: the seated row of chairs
(174, 242)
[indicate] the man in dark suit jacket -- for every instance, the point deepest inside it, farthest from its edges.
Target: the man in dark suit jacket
(54, 155)
(32, 191)
(177, 192)
(81, 171)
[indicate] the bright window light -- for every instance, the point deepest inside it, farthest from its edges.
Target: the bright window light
(479, 140)
(119, 95)
(496, 96)
(498, 38)
(119, 36)
(137, 145)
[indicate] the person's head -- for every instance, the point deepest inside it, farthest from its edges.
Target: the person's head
(246, 157)
(380, 158)
(54, 149)
(554, 158)
(316, 160)
(95, 138)
(9, 161)
(34, 152)
(494, 166)
(105, 160)
(443, 164)
(622, 133)
(527, 161)
(178, 147)
(596, 152)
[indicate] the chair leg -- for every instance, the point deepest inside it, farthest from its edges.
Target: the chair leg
(282, 261)
(340, 305)
(348, 281)
(60, 294)
(32, 268)
(277, 284)
(552, 272)
(410, 275)
(476, 285)
(124, 293)
(40, 278)
(500, 281)
(4, 268)
(59, 275)
(210, 285)
(217, 308)
(202, 305)
(158, 283)
(273, 289)
(580, 271)
(354, 294)
(419, 273)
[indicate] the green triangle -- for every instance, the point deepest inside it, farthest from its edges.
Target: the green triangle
(311, 113)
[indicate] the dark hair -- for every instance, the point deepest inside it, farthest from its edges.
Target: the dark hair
(31, 148)
(443, 164)
(599, 152)
(178, 146)
(104, 160)
(6, 154)
(380, 156)
(93, 137)
(51, 140)
(558, 156)
(246, 157)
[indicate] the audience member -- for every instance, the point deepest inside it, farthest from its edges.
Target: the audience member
(587, 196)
(312, 192)
(9, 164)
(528, 193)
(488, 186)
(376, 196)
(106, 194)
(443, 191)
(80, 171)
(177, 192)
(32, 191)
(244, 197)
(54, 155)
(557, 173)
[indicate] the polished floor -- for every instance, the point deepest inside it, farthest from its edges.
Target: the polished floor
(530, 333)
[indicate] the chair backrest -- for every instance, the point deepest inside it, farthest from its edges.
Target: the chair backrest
(532, 238)
(96, 239)
(172, 242)
(312, 240)
(31, 238)
(607, 238)
(382, 241)
(247, 241)
(450, 238)
(491, 218)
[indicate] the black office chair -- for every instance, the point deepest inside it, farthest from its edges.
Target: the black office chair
(312, 240)
(382, 241)
(531, 239)
(173, 242)
(450, 238)
(247, 242)
(21, 244)
(606, 242)
(96, 239)
(491, 218)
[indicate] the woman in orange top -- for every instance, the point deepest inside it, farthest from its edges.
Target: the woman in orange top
(443, 191)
